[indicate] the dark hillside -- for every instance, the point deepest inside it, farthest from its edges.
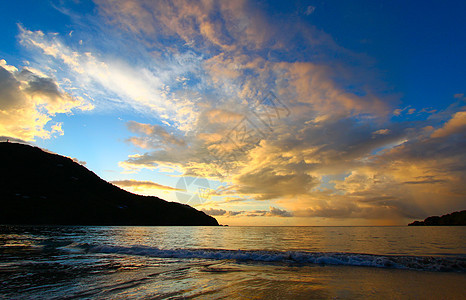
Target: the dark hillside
(37, 187)
(457, 218)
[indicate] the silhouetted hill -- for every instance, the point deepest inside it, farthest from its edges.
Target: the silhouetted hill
(457, 218)
(37, 187)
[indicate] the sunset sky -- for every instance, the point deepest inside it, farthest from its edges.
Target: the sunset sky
(256, 112)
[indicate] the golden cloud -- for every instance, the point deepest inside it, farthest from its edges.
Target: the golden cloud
(457, 124)
(29, 101)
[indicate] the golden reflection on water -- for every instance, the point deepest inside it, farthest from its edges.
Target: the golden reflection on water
(371, 240)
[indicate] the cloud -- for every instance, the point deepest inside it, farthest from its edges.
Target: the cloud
(457, 124)
(425, 180)
(330, 132)
(264, 107)
(279, 212)
(273, 212)
(214, 212)
(29, 101)
(81, 162)
(137, 185)
(155, 136)
(397, 112)
(413, 176)
(418, 177)
(270, 174)
(196, 23)
(380, 132)
(221, 212)
(115, 82)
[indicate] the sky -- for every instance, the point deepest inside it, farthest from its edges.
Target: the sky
(296, 113)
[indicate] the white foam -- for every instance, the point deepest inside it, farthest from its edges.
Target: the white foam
(448, 264)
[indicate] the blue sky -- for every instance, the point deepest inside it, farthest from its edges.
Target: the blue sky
(364, 124)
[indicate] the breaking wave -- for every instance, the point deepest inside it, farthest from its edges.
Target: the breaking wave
(424, 263)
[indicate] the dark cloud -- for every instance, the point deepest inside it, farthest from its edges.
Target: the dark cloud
(154, 136)
(11, 95)
(214, 212)
(425, 181)
(41, 86)
(279, 212)
(273, 212)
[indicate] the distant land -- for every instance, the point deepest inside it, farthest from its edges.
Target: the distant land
(457, 218)
(37, 187)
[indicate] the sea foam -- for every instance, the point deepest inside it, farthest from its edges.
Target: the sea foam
(425, 263)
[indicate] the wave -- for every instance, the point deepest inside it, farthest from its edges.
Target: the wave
(424, 263)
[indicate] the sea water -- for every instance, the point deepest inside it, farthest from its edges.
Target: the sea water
(104, 262)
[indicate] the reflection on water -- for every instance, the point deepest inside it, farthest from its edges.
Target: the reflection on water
(56, 262)
(371, 240)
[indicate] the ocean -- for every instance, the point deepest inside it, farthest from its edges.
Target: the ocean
(105, 262)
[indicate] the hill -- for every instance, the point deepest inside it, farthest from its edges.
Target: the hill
(457, 218)
(37, 187)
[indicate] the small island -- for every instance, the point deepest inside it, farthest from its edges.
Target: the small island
(457, 218)
(37, 187)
